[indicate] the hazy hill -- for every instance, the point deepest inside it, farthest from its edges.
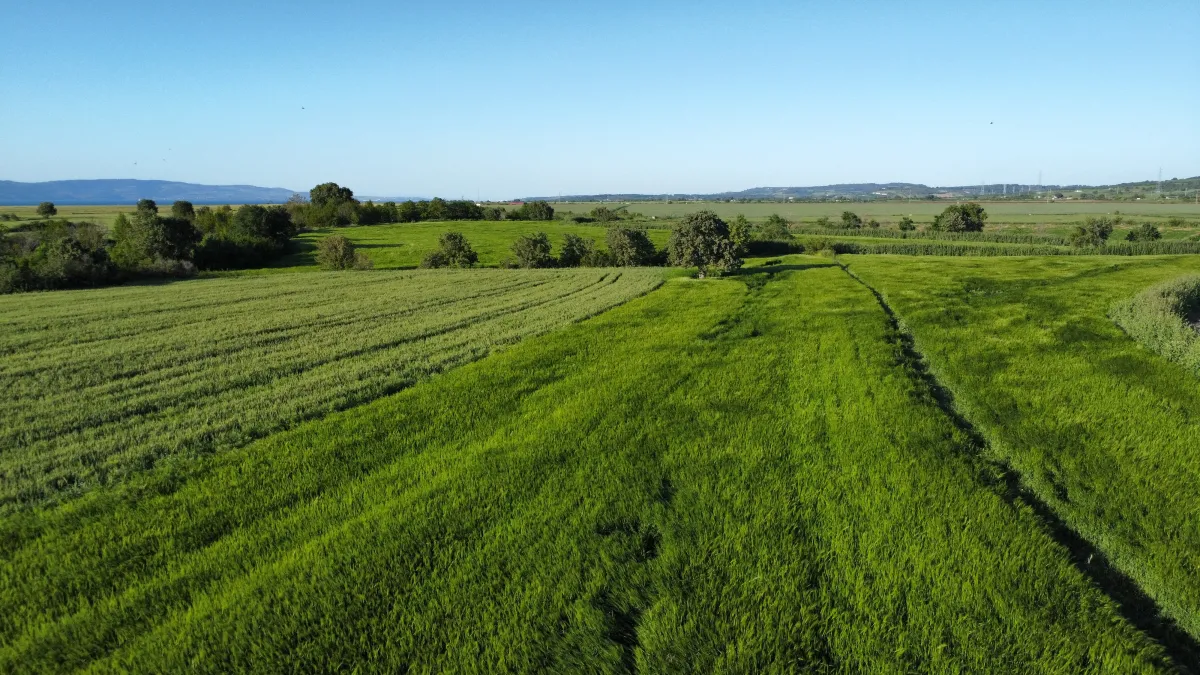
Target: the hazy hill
(888, 190)
(128, 191)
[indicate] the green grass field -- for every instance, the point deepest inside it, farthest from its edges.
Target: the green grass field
(1017, 216)
(860, 463)
(738, 475)
(100, 383)
(1101, 428)
(402, 245)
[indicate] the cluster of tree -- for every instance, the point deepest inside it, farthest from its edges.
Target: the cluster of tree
(604, 215)
(775, 228)
(251, 235)
(331, 205)
(701, 240)
(1094, 232)
(1146, 232)
(54, 254)
(968, 217)
(61, 254)
(12, 216)
(538, 210)
(626, 247)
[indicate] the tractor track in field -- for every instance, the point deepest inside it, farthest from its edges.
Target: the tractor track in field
(1133, 604)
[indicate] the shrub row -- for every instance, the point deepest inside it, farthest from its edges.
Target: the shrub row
(992, 237)
(813, 244)
(1163, 318)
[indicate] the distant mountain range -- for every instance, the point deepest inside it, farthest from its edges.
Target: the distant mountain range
(879, 191)
(129, 191)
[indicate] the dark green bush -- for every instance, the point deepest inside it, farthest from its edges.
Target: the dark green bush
(337, 253)
(1094, 232)
(453, 251)
(532, 251)
(702, 240)
(629, 247)
(967, 217)
(1146, 232)
(1163, 319)
(775, 228)
(574, 250)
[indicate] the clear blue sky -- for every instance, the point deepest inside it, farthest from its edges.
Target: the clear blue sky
(522, 98)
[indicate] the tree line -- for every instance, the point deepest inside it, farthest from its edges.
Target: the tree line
(330, 205)
(62, 254)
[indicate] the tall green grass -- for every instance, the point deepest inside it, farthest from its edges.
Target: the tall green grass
(102, 383)
(1102, 430)
(1162, 318)
(733, 475)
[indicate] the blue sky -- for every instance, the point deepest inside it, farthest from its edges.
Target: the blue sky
(511, 99)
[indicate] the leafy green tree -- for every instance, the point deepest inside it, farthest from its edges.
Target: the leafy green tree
(538, 210)
(148, 239)
(574, 249)
(183, 209)
(493, 213)
(702, 240)
(210, 221)
(775, 228)
(850, 219)
(329, 193)
(533, 251)
(147, 206)
(603, 214)
(1093, 233)
(271, 223)
(463, 209)
(434, 209)
(873, 224)
(47, 209)
(408, 212)
(1147, 232)
(337, 253)
(629, 247)
(967, 217)
(825, 222)
(907, 224)
(453, 251)
(740, 232)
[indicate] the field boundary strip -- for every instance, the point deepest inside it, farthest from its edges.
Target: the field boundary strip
(1131, 601)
